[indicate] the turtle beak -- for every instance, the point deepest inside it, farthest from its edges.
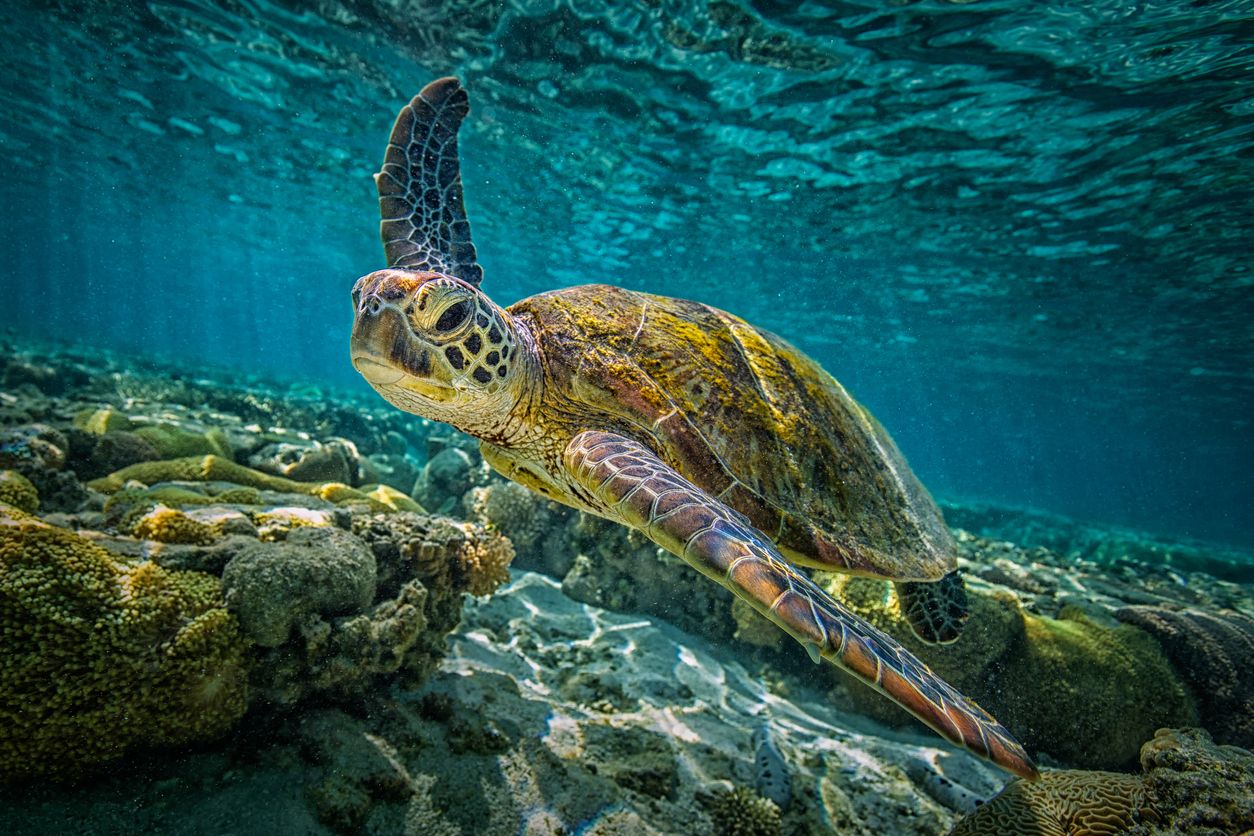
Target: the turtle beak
(376, 373)
(383, 348)
(390, 358)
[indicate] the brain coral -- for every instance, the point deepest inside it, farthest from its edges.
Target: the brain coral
(102, 655)
(1062, 804)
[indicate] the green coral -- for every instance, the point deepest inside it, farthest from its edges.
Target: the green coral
(16, 490)
(1108, 687)
(100, 421)
(219, 469)
(742, 812)
(102, 655)
(239, 496)
(174, 442)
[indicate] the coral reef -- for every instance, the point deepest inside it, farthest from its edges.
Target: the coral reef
(518, 513)
(342, 658)
(17, 490)
(1214, 652)
(1104, 545)
(400, 633)
(484, 562)
(102, 655)
(39, 452)
(317, 570)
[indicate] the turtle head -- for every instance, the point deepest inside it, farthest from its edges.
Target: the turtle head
(435, 346)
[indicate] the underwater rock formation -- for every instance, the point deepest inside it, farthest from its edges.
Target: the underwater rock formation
(310, 461)
(1196, 786)
(445, 479)
(1214, 653)
(316, 571)
(103, 655)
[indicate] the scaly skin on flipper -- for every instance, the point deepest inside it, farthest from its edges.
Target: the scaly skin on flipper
(936, 611)
(759, 442)
(424, 223)
(639, 490)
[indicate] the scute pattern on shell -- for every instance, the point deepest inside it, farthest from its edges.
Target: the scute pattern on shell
(746, 417)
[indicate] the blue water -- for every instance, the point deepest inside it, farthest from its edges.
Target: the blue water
(1020, 233)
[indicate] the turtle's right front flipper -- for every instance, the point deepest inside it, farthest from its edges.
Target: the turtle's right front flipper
(635, 487)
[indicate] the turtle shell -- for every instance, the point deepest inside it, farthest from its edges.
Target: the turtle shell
(745, 416)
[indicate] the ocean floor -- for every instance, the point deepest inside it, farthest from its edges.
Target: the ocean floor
(235, 606)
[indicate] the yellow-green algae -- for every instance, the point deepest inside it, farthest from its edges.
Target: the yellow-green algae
(169, 525)
(106, 419)
(1085, 693)
(172, 442)
(220, 469)
(17, 490)
(102, 655)
(392, 498)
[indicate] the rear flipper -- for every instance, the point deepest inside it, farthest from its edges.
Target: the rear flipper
(633, 486)
(936, 611)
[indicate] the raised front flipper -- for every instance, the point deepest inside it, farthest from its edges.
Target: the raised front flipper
(420, 187)
(633, 486)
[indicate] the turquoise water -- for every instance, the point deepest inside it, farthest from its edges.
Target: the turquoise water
(1018, 232)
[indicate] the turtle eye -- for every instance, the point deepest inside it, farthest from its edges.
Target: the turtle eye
(453, 316)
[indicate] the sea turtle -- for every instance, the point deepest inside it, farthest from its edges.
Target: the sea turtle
(719, 441)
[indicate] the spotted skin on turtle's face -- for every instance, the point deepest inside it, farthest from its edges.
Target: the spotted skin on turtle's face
(422, 337)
